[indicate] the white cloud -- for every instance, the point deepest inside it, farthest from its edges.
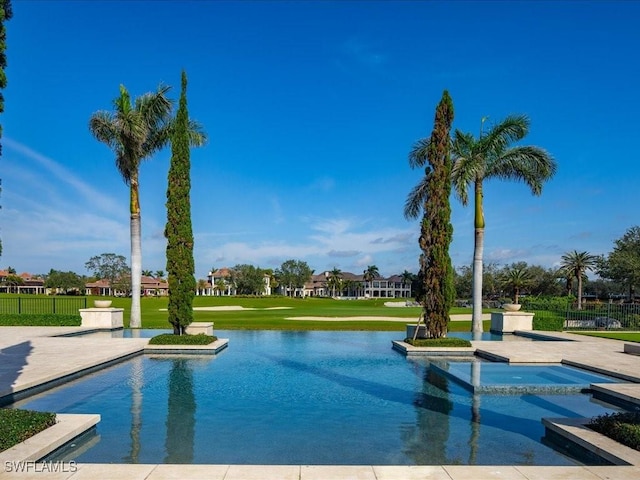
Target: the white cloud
(87, 192)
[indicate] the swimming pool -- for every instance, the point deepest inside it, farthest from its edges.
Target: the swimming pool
(508, 379)
(277, 397)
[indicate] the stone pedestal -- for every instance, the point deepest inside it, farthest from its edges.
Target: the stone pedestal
(103, 318)
(196, 328)
(411, 330)
(509, 322)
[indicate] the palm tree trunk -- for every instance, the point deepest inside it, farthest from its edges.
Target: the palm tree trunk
(478, 250)
(476, 317)
(579, 291)
(136, 256)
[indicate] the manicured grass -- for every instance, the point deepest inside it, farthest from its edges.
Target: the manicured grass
(18, 425)
(438, 342)
(170, 339)
(266, 313)
(39, 320)
(626, 336)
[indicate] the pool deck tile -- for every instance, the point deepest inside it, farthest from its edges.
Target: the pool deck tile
(260, 472)
(190, 472)
(562, 473)
(477, 472)
(112, 471)
(410, 472)
(614, 473)
(337, 472)
(30, 357)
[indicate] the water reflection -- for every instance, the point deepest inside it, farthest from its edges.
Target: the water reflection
(426, 440)
(181, 415)
(137, 383)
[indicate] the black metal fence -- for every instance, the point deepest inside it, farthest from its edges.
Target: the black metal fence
(42, 305)
(592, 316)
(604, 316)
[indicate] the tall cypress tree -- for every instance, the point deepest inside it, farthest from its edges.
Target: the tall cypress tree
(436, 292)
(5, 14)
(178, 231)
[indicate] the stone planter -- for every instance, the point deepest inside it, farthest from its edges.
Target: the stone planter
(511, 307)
(102, 303)
(509, 322)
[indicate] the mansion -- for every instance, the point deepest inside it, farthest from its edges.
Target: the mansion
(219, 283)
(352, 286)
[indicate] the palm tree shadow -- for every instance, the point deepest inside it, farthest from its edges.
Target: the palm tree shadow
(12, 361)
(437, 401)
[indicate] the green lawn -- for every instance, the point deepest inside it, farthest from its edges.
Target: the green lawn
(268, 314)
(272, 313)
(626, 336)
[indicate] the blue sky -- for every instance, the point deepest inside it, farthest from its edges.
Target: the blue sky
(311, 109)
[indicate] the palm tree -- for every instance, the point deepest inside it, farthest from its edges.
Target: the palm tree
(369, 274)
(147, 273)
(407, 278)
(220, 286)
(159, 274)
(515, 279)
(350, 286)
(492, 156)
(135, 131)
(334, 281)
(575, 265)
(202, 286)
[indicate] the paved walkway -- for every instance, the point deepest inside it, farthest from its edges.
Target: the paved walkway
(29, 357)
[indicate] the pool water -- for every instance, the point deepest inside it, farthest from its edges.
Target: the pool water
(504, 378)
(277, 397)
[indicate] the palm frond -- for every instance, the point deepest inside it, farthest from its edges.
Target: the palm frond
(529, 164)
(419, 152)
(103, 127)
(500, 136)
(416, 199)
(467, 164)
(154, 107)
(197, 135)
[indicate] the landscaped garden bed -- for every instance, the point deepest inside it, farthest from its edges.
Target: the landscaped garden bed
(623, 427)
(170, 339)
(438, 342)
(18, 425)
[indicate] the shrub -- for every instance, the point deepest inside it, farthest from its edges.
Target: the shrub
(438, 342)
(556, 304)
(39, 320)
(548, 321)
(18, 425)
(171, 339)
(623, 427)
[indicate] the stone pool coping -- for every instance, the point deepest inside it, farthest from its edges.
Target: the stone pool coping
(210, 349)
(575, 430)
(411, 351)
